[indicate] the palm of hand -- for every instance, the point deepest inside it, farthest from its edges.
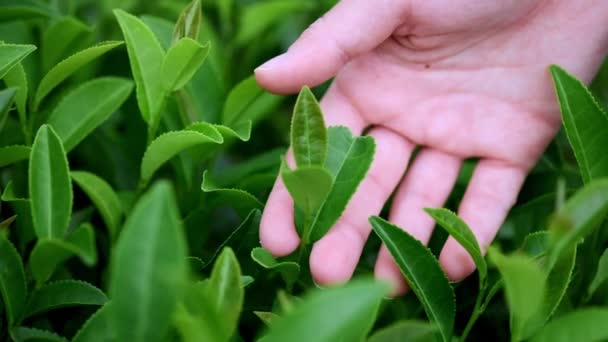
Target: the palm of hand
(460, 83)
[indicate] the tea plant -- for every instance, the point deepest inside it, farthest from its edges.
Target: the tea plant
(137, 153)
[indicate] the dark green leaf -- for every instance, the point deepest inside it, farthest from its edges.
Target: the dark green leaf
(248, 101)
(414, 331)
(25, 334)
(584, 325)
(308, 132)
(601, 275)
(104, 198)
(525, 286)
(348, 161)
(68, 67)
(149, 268)
(460, 231)
(289, 270)
(50, 185)
(423, 274)
(585, 124)
(13, 154)
(18, 9)
(17, 79)
(240, 199)
(60, 38)
(62, 294)
(181, 63)
(96, 328)
(11, 54)
(87, 107)
(146, 57)
(12, 281)
(338, 314)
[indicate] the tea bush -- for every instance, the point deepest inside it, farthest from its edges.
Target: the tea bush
(137, 152)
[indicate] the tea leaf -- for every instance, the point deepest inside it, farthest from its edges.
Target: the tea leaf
(415, 331)
(197, 319)
(585, 122)
(146, 57)
(181, 62)
(309, 187)
(601, 275)
(60, 38)
(104, 198)
(21, 207)
(189, 22)
(13, 154)
(308, 132)
(557, 282)
(12, 281)
(581, 214)
(96, 328)
(23, 334)
(536, 244)
(50, 253)
(238, 173)
(240, 199)
(11, 54)
(64, 293)
(289, 270)
(587, 324)
(68, 67)
(87, 107)
(259, 17)
(17, 79)
(225, 290)
(19, 9)
(266, 317)
(460, 231)
(247, 101)
(6, 102)
(348, 161)
(50, 185)
(149, 268)
(423, 274)
(345, 313)
(524, 284)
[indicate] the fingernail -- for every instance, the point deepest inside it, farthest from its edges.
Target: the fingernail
(274, 63)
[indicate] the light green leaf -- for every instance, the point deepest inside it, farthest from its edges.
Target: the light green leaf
(348, 161)
(64, 293)
(225, 291)
(309, 187)
(601, 275)
(11, 55)
(240, 199)
(12, 281)
(266, 317)
(146, 58)
(583, 325)
(581, 214)
(247, 101)
(423, 274)
(182, 61)
(68, 67)
(149, 268)
(87, 107)
(189, 22)
(525, 286)
(289, 270)
(261, 16)
(16, 78)
(25, 334)
(13, 154)
(50, 185)
(96, 328)
(197, 319)
(337, 314)
(60, 38)
(414, 331)
(536, 244)
(308, 132)
(48, 254)
(460, 231)
(104, 198)
(585, 124)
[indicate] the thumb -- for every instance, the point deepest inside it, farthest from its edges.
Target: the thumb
(349, 29)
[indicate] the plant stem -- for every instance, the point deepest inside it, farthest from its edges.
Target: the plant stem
(474, 316)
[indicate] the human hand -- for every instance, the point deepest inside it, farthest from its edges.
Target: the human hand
(462, 79)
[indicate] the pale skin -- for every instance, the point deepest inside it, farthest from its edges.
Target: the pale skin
(461, 79)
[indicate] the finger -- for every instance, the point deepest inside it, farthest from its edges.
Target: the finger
(334, 258)
(489, 197)
(277, 230)
(351, 28)
(427, 184)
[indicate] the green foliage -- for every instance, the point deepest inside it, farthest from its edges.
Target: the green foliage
(134, 215)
